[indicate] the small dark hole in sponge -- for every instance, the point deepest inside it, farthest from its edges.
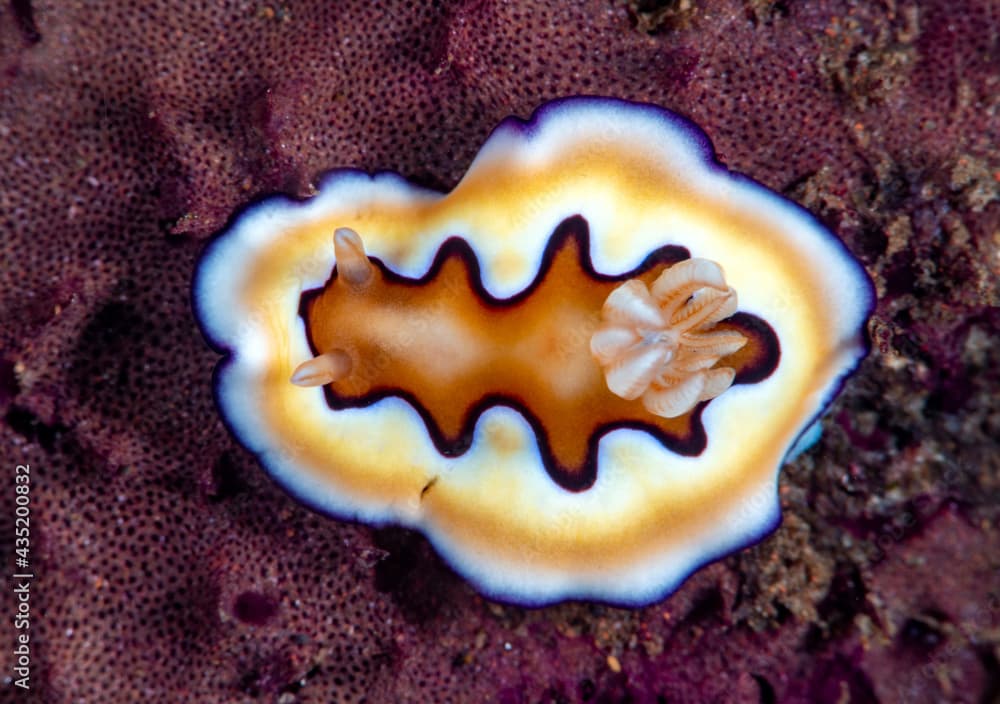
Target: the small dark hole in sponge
(10, 387)
(920, 636)
(24, 14)
(767, 695)
(254, 608)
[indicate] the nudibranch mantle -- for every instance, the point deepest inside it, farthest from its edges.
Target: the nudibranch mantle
(633, 183)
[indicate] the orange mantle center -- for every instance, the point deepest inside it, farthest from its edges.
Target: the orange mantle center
(453, 351)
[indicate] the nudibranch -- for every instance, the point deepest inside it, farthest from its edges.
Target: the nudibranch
(577, 373)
